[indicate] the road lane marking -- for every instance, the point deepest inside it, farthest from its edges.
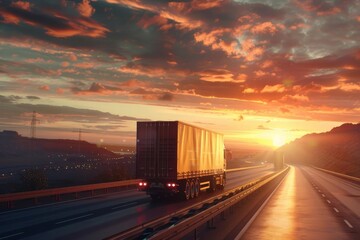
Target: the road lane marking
(323, 195)
(125, 205)
(336, 210)
(347, 223)
(72, 219)
(328, 201)
(12, 235)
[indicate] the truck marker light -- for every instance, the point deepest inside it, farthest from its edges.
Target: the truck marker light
(173, 185)
(140, 183)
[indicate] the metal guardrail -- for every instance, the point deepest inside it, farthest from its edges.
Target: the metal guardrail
(11, 197)
(344, 176)
(201, 213)
(243, 168)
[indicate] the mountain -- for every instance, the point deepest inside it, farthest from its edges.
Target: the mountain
(337, 150)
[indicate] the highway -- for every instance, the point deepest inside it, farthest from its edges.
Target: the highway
(101, 216)
(308, 204)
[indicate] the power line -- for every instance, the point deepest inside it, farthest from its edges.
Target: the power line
(34, 120)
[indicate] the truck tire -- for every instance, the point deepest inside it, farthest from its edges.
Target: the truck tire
(222, 186)
(197, 187)
(192, 189)
(187, 190)
(213, 184)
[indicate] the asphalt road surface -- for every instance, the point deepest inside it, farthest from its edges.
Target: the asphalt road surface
(309, 204)
(101, 216)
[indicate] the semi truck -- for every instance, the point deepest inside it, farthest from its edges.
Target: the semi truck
(174, 158)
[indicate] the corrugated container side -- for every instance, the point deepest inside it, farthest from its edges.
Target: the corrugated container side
(156, 150)
(200, 152)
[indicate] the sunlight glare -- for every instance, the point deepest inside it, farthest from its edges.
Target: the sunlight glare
(279, 138)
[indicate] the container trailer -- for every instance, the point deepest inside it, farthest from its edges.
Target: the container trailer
(175, 158)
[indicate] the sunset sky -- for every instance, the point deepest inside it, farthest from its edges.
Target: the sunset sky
(262, 72)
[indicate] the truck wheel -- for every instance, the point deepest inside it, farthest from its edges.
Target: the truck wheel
(187, 190)
(192, 189)
(197, 187)
(223, 182)
(213, 184)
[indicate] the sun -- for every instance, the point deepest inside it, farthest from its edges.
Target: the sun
(279, 138)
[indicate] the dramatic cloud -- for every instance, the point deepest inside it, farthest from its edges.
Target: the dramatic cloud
(289, 59)
(18, 112)
(55, 23)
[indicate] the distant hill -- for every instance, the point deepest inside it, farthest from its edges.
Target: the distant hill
(337, 150)
(15, 149)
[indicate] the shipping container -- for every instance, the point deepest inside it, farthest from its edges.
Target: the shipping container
(175, 158)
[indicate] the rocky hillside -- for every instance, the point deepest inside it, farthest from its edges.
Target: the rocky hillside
(337, 150)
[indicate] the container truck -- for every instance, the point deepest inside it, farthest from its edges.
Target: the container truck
(175, 158)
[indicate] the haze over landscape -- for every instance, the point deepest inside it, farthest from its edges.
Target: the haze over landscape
(261, 72)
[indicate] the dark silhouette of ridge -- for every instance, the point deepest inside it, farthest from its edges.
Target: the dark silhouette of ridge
(15, 148)
(337, 150)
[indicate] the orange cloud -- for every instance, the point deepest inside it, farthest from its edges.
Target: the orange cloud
(85, 9)
(21, 4)
(319, 7)
(179, 6)
(266, 64)
(181, 20)
(85, 65)
(221, 75)
(97, 88)
(9, 17)
(295, 98)
(72, 57)
(64, 27)
(65, 64)
(279, 88)
(172, 62)
(146, 22)
(143, 71)
(206, 4)
(249, 90)
(35, 60)
(299, 26)
(81, 27)
(60, 91)
(266, 27)
(132, 83)
(214, 40)
(44, 88)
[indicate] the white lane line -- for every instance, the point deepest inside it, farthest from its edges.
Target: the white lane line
(72, 219)
(336, 210)
(347, 223)
(323, 195)
(319, 190)
(125, 205)
(12, 235)
(328, 201)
